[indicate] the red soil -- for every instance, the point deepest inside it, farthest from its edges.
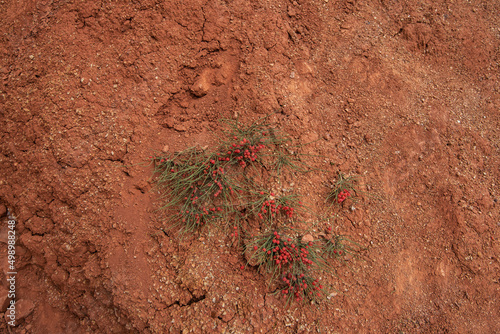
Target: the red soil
(403, 94)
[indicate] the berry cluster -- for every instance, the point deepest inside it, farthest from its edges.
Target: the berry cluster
(301, 286)
(235, 233)
(339, 252)
(344, 187)
(342, 196)
(194, 217)
(244, 151)
(214, 177)
(288, 211)
(198, 218)
(280, 253)
(270, 207)
(213, 170)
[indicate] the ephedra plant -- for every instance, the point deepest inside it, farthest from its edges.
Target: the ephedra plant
(218, 187)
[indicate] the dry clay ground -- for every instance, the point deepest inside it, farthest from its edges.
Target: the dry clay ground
(402, 94)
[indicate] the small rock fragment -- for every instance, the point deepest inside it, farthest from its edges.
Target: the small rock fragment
(346, 25)
(4, 299)
(4, 234)
(39, 225)
(200, 87)
(307, 238)
(180, 127)
(170, 122)
(24, 308)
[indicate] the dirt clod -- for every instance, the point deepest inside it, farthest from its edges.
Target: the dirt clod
(307, 238)
(4, 299)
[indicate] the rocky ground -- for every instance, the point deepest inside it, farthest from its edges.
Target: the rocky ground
(402, 94)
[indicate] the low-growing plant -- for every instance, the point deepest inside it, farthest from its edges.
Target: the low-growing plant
(281, 252)
(269, 208)
(261, 143)
(195, 180)
(244, 151)
(195, 186)
(343, 188)
(215, 187)
(301, 287)
(338, 246)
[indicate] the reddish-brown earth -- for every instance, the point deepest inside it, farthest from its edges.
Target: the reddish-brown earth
(403, 94)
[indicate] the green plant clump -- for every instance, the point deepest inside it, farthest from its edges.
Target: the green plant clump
(202, 188)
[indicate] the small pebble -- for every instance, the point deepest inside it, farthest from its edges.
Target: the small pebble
(307, 238)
